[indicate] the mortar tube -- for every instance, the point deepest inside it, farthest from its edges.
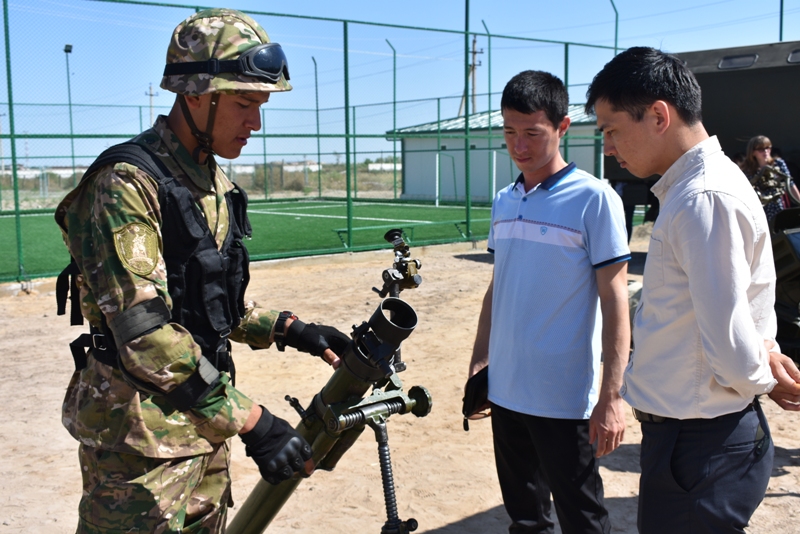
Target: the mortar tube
(266, 500)
(351, 380)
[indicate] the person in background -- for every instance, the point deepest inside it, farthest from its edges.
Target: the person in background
(759, 156)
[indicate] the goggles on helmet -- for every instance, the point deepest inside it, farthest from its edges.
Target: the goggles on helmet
(264, 62)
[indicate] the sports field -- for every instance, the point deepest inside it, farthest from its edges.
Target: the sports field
(280, 229)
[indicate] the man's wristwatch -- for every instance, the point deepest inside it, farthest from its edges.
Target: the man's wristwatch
(280, 326)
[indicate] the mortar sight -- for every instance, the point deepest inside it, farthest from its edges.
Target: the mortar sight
(403, 273)
(394, 235)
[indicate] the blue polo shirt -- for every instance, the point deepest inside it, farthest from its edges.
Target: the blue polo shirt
(545, 342)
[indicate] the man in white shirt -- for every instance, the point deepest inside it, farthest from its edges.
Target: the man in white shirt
(704, 330)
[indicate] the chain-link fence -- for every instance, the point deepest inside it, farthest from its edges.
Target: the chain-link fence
(342, 135)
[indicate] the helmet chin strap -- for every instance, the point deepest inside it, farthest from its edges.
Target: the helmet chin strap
(204, 139)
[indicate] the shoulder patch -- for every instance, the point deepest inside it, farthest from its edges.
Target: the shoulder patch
(137, 248)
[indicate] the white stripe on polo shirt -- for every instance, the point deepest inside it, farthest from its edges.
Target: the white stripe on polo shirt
(538, 231)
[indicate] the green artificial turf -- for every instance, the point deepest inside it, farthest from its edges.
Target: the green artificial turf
(43, 250)
(280, 229)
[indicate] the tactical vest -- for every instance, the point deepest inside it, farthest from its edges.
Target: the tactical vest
(206, 284)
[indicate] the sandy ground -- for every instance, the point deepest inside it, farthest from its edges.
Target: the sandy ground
(445, 477)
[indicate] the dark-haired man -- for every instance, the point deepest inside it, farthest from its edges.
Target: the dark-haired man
(155, 229)
(704, 330)
(558, 296)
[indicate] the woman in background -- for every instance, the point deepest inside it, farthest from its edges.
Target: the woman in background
(758, 158)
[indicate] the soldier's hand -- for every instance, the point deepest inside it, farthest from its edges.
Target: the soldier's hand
(318, 340)
(277, 448)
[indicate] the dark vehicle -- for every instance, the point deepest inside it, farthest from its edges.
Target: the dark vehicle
(749, 91)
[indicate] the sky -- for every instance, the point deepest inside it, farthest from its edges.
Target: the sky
(119, 49)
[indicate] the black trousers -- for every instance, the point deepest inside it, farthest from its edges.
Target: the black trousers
(704, 475)
(536, 456)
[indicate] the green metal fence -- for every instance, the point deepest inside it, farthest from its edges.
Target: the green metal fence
(342, 135)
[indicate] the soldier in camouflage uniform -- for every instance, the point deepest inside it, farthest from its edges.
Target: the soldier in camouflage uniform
(152, 403)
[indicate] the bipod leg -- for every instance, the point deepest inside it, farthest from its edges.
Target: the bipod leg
(393, 523)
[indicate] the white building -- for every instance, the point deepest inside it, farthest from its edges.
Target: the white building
(384, 167)
(301, 166)
(34, 173)
(433, 163)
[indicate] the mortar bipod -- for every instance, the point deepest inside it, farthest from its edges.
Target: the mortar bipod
(393, 523)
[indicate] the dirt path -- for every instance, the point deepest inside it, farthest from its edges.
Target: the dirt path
(445, 477)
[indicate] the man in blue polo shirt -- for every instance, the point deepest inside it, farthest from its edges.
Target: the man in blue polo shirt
(558, 299)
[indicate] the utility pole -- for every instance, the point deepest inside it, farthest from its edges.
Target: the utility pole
(472, 66)
(151, 94)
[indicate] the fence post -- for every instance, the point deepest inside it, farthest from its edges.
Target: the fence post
(436, 202)
(319, 153)
(494, 175)
(394, 115)
(489, 115)
(467, 189)
(347, 139)
(12, 138)
(598, 154)
(264, 151)
(438, 147)
(355, 156)
(2, 161)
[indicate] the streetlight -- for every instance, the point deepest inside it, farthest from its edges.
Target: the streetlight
(67, 52)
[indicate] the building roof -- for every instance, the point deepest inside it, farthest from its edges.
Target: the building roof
(481, 121)
(763, 56)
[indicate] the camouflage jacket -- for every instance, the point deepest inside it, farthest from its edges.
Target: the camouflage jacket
(100, 409)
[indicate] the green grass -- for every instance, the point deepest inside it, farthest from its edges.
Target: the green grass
(43, 249)
(280, 229)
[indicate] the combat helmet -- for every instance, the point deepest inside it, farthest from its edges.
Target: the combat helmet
(221, 51)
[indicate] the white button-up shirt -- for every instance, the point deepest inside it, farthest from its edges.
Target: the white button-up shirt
(708, 298)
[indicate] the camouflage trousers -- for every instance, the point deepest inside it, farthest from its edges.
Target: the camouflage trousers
(128, 493)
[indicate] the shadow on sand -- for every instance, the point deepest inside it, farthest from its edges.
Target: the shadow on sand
(621, 510)
(625, 459)
(480, 257)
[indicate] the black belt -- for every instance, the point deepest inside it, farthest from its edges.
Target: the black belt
(644, 417)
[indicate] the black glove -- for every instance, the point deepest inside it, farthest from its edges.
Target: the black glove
(315, 338)
(277, 448)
